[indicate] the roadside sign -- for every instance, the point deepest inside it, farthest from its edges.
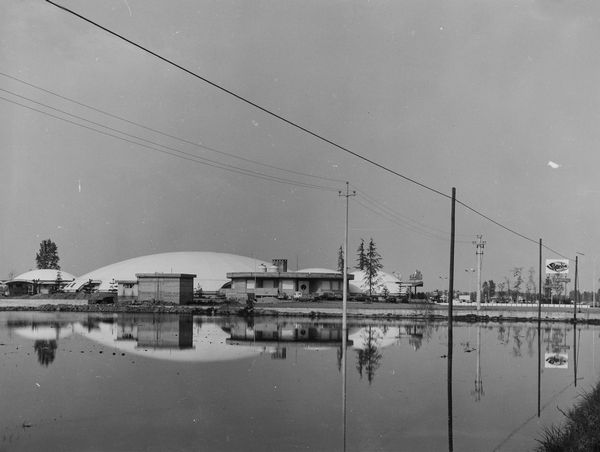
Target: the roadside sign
(557, 266)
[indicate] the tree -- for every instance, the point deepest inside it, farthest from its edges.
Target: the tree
(501, 286)
(47, 257)
(485, 289)
(372, 266)
(340, 264)
(491, 286)
(361, 258)
(518, 274)
(531, 284)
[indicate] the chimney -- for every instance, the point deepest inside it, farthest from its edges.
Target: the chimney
(281, 264)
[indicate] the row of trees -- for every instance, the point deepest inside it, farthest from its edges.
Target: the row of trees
(368, 260)
(517, 289)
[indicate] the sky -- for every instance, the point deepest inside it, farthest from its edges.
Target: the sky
(476, 95)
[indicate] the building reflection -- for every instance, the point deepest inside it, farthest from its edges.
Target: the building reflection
(159, 332)
(277, 336)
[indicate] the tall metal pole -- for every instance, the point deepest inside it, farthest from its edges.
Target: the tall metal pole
(576, 292)
(450, 333)
(479, 245)
(451, 273)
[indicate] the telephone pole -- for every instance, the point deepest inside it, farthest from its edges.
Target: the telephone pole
(479, 245)
(345, 288)
(344, 309)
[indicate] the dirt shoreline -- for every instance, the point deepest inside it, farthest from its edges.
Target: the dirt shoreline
(325, 309)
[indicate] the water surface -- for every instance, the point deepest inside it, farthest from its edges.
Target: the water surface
(89, 382)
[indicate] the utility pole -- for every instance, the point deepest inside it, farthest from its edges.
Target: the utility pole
(345, 288)
(344, 309)
(479, 245)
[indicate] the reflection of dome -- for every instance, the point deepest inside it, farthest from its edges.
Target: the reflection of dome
(44, 275)
(210, 268)
(378, 336)
(358, 285)
(209, 344)
(45, 333)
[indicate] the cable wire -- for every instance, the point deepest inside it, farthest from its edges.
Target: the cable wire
(287, 121)
(189, 157)
(249, 102)
(151, 129)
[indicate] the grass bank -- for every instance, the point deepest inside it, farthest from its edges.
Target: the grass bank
(580, 430)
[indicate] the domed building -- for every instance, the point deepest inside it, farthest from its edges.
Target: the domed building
(387, 281)
(210, 270)
(42, 281)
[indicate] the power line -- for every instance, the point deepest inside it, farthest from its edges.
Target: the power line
(507, 228)
(249, 102)
(285, 120)
(151, 129)
(411, 221)
(185, 156)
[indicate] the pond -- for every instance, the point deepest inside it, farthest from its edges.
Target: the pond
(128, 382)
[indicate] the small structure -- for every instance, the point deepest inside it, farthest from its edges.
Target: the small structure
(276, 281)
(127, 287)
(175, 288)
(41, 281)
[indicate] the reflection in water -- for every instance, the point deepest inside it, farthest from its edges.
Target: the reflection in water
(369, 357)
(449, 357)
(277, 336)
(478, 391)
(46, 351)
(401, 407)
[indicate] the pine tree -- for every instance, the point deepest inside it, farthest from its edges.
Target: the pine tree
(47, 258)
(372, 266)
(340, 264)
(361, 258)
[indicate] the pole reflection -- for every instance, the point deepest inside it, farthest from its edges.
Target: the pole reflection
(344, 361)
(478, 391)
(539, 366)
(449, 357)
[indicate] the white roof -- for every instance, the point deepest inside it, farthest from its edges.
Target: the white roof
(318, 270)
(210, 268)
(44, 275)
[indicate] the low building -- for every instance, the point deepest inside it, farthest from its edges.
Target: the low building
(41, 281)
(175, 288)
(276, 281)
(127, 287)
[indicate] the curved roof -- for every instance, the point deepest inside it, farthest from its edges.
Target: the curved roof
(210, 268)
(44, 275)
(358, 285)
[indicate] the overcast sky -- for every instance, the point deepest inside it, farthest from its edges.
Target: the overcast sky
(479, 95)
